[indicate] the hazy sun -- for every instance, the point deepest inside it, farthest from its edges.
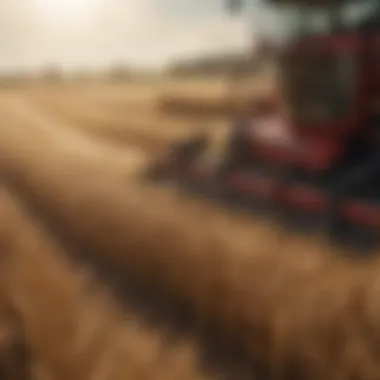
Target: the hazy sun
(67, 7)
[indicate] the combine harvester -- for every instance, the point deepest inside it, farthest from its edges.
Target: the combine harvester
(313, 158)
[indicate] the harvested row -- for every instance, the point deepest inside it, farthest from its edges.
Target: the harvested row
(140, 126)
(65, 326)
(298, 314)
(109, 128)
(129, 124)
(114, 92)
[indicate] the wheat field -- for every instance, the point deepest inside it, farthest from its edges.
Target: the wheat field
(76, 220)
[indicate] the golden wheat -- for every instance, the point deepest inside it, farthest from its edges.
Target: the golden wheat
(70, 327)
(298, 312)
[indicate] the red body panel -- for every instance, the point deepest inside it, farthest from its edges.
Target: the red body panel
(304, 198)
(315, 154)
(318, 148)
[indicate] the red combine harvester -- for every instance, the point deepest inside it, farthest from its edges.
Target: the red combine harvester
(317, 158)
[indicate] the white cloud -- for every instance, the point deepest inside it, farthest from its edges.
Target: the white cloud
(136, 31)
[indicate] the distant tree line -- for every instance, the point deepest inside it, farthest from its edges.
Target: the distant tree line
(212, 65)
(215, 65)
(55, 74)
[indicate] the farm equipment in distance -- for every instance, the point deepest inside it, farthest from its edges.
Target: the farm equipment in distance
(314, 157)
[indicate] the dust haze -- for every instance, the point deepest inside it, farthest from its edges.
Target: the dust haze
(105, 275)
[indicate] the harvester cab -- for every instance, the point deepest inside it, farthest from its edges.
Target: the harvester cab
(330, 81)
(328, 72)
(314, 152)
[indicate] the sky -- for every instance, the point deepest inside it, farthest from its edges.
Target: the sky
(97, 33)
